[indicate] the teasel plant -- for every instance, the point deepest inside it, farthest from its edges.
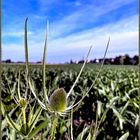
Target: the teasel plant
(25, 125)
(58, 102)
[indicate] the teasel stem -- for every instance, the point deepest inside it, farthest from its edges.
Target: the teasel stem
(24, 118)
(71, 119)
(54, 124)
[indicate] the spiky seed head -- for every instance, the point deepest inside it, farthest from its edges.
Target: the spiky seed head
(58, 100)
(23, 103)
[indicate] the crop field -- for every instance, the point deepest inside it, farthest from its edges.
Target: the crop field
(110, 110)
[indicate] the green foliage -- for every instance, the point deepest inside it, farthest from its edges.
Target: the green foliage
(116, 90)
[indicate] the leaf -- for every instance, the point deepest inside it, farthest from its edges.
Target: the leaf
(99, 108)
(44, 64)
(89, 137)
(81, 135)
(112, 101)
(102, 92)
(4, 124)
(135, 104)
(125, 107)
(14, 125)
(124, 136)
(13, 134)
(26, 46)
(137, 120)
(30, 115)
(33, 92)
(35, 118)
(112, 85)
(19, 95)
(38, 128)
(119, 116)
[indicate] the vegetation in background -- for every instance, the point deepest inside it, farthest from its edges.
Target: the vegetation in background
(119, 84)
(118, 60)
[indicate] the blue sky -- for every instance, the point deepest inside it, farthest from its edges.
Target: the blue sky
(74, 25)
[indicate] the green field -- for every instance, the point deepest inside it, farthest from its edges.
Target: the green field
(113, 99)
(75, 67)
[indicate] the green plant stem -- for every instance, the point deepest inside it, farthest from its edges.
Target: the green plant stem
(24, 118)
(94, 134)
(25, 138)
(54, 124)
(71, 119)
(97, 127)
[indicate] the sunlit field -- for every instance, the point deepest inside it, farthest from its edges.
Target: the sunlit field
(109, 111)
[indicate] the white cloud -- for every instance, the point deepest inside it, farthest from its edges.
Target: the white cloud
(124, 39)
(87, 14)
(16, 52)
(16, 33)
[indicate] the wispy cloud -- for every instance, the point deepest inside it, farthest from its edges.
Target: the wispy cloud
(16, 33)
(124, 39)
(86, 15)
(123, 26)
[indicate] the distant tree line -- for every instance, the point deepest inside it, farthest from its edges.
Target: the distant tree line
(119, 60)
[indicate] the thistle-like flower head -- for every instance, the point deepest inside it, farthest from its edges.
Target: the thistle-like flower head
(58, 100)
(23, 103)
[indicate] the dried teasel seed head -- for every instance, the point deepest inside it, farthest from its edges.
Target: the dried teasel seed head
(58, 100)
(23, 103)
